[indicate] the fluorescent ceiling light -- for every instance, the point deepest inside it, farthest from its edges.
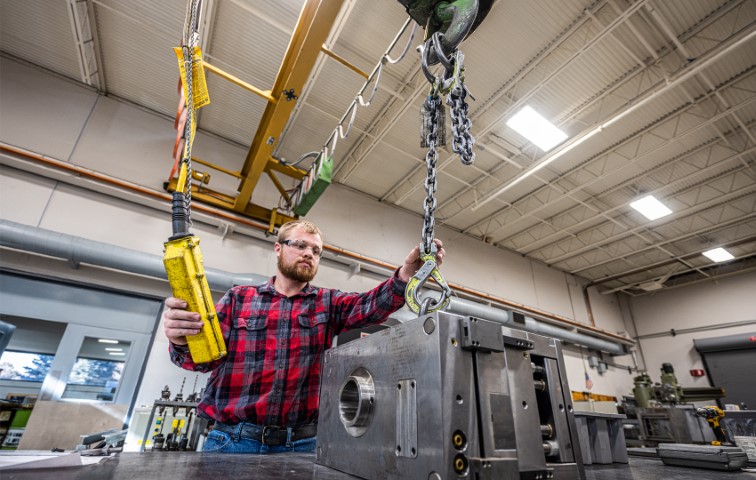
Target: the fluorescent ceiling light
(117, 353)
(651, 286)
(105, 340)
(114, 349)
(531, 125)
(651, 208)
(718, 255)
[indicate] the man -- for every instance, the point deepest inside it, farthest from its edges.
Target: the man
(264, 395)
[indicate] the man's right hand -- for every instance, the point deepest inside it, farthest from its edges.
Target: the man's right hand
(178, 323)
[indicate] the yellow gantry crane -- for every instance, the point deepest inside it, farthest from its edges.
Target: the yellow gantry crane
(313, 26)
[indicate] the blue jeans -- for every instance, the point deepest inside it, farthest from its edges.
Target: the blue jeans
(222, 442)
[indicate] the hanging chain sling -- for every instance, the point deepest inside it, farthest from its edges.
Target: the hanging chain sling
(434, 135)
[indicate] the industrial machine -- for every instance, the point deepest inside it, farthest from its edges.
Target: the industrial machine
(673, 424)
(445, 396)
(669, 391)
(662, 411)
(173, 425)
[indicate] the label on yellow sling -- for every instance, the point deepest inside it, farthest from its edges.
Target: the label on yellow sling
(199, 84)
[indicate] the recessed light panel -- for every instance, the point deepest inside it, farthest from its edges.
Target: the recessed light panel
(651, 208)
(718, 255)
(531, 125)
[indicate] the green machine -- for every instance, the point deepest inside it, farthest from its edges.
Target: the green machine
(643, 391)
(669, 391)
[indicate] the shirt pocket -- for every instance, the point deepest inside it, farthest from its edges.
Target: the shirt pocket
(313, 331)
(250, 330)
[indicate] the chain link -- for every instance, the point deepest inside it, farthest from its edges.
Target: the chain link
(462, 140)
(432, 104)
(453, 85)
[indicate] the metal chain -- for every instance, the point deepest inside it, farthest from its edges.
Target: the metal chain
(190, 40)
(453, 84)
(433, 130)
(432, 104)
(463, 141)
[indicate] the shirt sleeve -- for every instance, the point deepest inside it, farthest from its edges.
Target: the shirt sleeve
(180, 354)
(355, 310)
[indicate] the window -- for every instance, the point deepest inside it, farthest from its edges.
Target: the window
(97, 371)
(26, 366)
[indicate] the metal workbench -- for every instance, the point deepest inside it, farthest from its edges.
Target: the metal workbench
(302, 466)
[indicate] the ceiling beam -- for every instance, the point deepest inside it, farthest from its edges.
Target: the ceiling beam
(663, 263)
(83, 36)
(697, 209)
(706, 148)
(338, 27)
(102, 85)
(602, 156)
(746, 34)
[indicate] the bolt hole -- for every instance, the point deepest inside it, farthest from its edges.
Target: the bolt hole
(459, 399)
(454, 342)
(524, 404)
(561, 407)
(413, 451)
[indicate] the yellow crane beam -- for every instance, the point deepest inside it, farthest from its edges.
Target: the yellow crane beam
(314, 25)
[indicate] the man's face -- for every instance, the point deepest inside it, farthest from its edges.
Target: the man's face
(299, 255)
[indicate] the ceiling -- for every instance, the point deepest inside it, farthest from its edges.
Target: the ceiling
(656, 97)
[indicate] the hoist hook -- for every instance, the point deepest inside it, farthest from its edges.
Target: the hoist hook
(428, 270)
(458, 18)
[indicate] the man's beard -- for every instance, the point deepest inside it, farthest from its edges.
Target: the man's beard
(295, 271)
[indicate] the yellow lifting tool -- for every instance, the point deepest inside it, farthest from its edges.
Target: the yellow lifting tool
(182, 257)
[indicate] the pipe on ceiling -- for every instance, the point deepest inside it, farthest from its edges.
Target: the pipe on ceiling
(77, 250)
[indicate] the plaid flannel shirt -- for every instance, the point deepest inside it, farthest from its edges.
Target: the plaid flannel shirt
(271, 375)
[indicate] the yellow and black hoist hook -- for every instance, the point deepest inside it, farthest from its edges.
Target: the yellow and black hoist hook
(182, 257)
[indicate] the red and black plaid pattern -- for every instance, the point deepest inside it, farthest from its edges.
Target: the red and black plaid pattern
(271, 375)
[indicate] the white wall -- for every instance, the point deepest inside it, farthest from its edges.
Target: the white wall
(706, 307)
(53, 117)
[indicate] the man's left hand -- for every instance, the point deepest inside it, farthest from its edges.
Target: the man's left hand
(413, 263)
